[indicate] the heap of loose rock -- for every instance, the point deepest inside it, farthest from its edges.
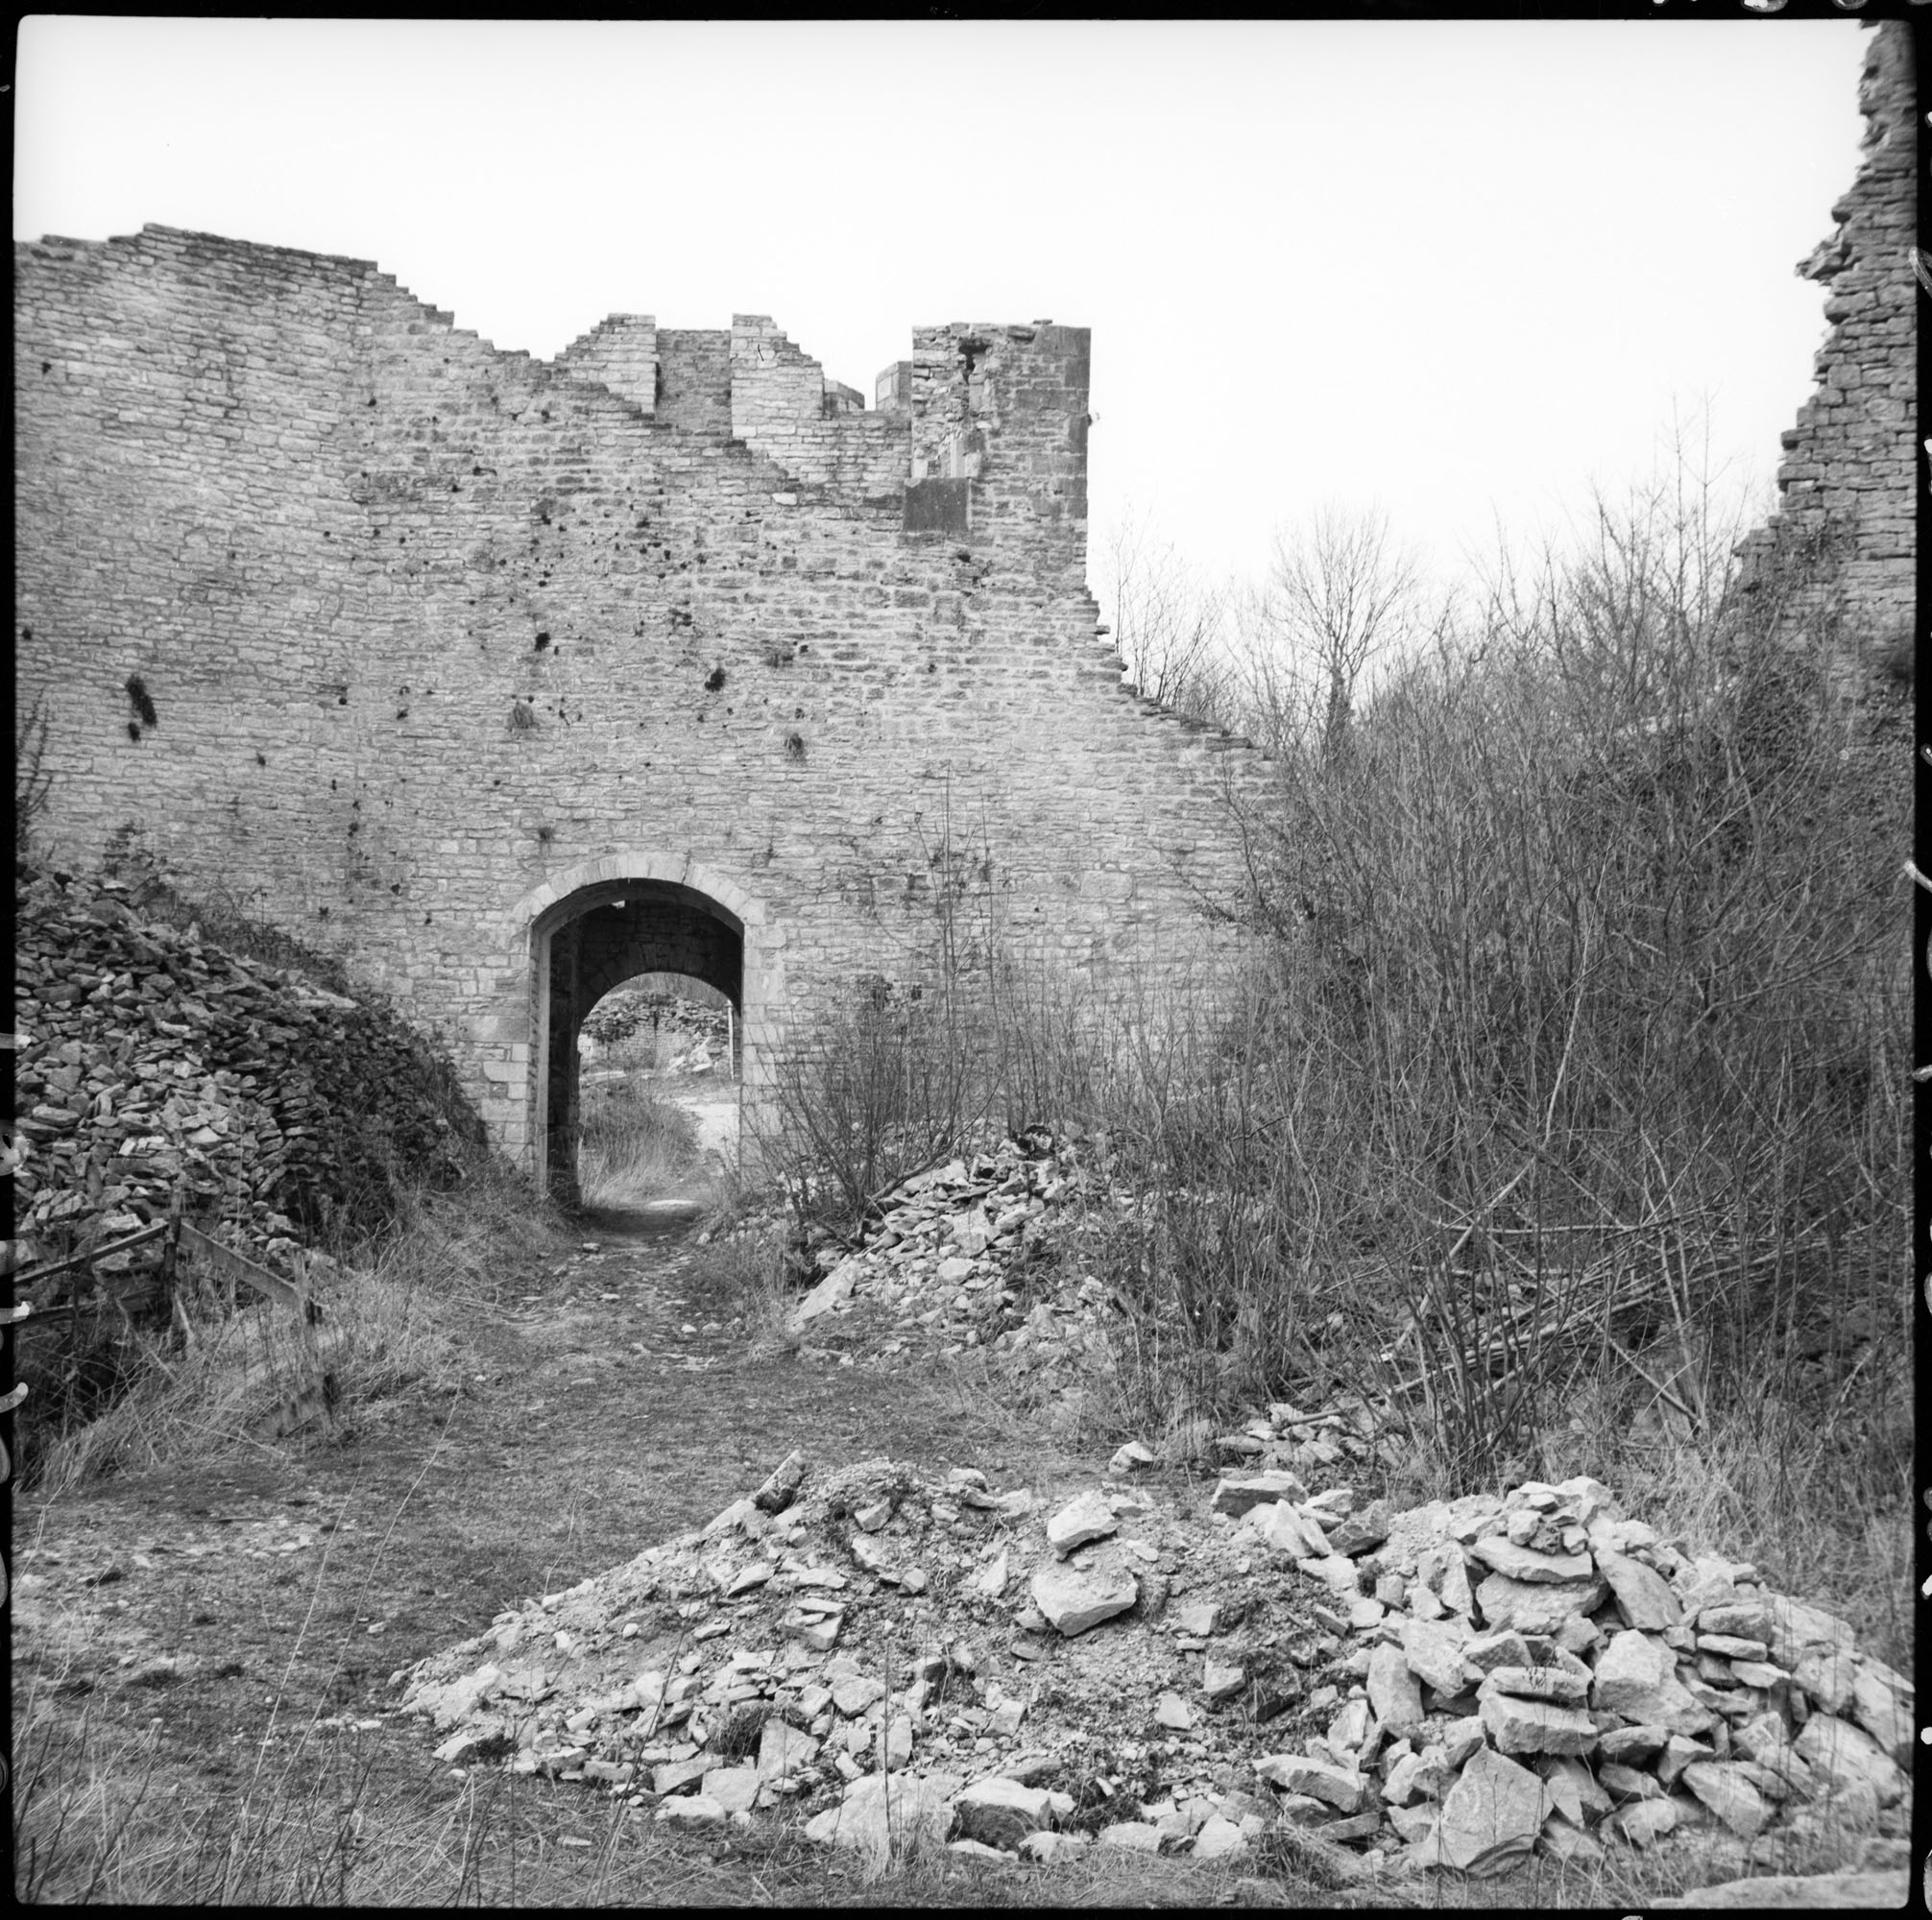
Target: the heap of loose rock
(153, 1060)
(942, 1269)
(1449, 1686)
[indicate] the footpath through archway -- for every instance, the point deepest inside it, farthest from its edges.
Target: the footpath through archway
(592, 940)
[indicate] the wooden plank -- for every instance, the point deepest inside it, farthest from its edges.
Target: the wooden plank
(28, 1318)
(224, 1259)
(26, 1277)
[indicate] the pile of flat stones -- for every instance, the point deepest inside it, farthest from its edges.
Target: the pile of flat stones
(153, 1061)
(1450, 1688)
(950, 1267)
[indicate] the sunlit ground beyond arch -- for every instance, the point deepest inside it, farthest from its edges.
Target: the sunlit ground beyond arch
(660, 1072)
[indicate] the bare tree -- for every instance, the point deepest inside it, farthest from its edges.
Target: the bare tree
(1168, 624)
(1339, 594)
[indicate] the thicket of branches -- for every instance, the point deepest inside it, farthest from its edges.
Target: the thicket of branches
(1578, 1032)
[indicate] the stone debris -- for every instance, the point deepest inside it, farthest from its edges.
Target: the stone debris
(153, 1060)
(1413, 1738)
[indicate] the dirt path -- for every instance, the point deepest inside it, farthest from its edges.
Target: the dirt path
(253, 1607)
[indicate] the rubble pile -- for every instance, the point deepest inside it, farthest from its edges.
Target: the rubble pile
(1450, 1687)
(153, 1060)
(958, 1260)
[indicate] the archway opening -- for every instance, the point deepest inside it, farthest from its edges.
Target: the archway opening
(659, 1067)
(593, 941)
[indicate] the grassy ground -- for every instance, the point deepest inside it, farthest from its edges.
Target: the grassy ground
(208, 1626)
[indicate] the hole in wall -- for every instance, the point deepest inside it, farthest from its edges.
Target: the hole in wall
(714, 681)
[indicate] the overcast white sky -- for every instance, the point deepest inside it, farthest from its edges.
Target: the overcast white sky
(1454, 269)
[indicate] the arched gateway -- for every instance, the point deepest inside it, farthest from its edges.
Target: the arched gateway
(506, 679)
(597, 925)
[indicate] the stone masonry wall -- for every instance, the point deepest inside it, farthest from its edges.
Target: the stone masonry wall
(434, 638)
(1839, 556)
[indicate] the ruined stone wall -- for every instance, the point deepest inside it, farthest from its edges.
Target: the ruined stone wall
(1837, 561)
(434, 636)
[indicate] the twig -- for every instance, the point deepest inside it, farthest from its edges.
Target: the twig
(1624, 1353)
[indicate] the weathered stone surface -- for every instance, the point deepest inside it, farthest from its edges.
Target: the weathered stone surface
(1573, 1790)
(1218, 1838)
(1732, 1646)
(1882, 1702)
(734, 1788)
(1001, 1813)
(834, 1290)
(878, 1813)
(1750, 1619)
(1221, 1680)
(1436, 1653)
(1644, 1822)
(1633, 1746)
(1393, 1692)
(1350, 1729)
(784, 1749)
(1846, 1756)
(1289, 1530)
(1563, 1679)
(1360, 1532)
(1728, 1793)
(1196, 1619)
(1885, 1889)
(1173, 1712)
(1520, 1563)
(1535, 1726)
(1342, 1788)
(1052, 1846)
(1797, 1629)
(1490, 1817)
(1236, 1492)
(1627, 1782)
(676, 1775)
(1535, 1607)
(1643, 1594)
(1090, 1516)
(1637, 1678)
(1827, 1675)
(1679, 1751)
(1074, 1602)
(1564, 1839)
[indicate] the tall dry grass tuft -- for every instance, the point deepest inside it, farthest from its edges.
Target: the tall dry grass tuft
(632, 1146)
(393, 1321)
